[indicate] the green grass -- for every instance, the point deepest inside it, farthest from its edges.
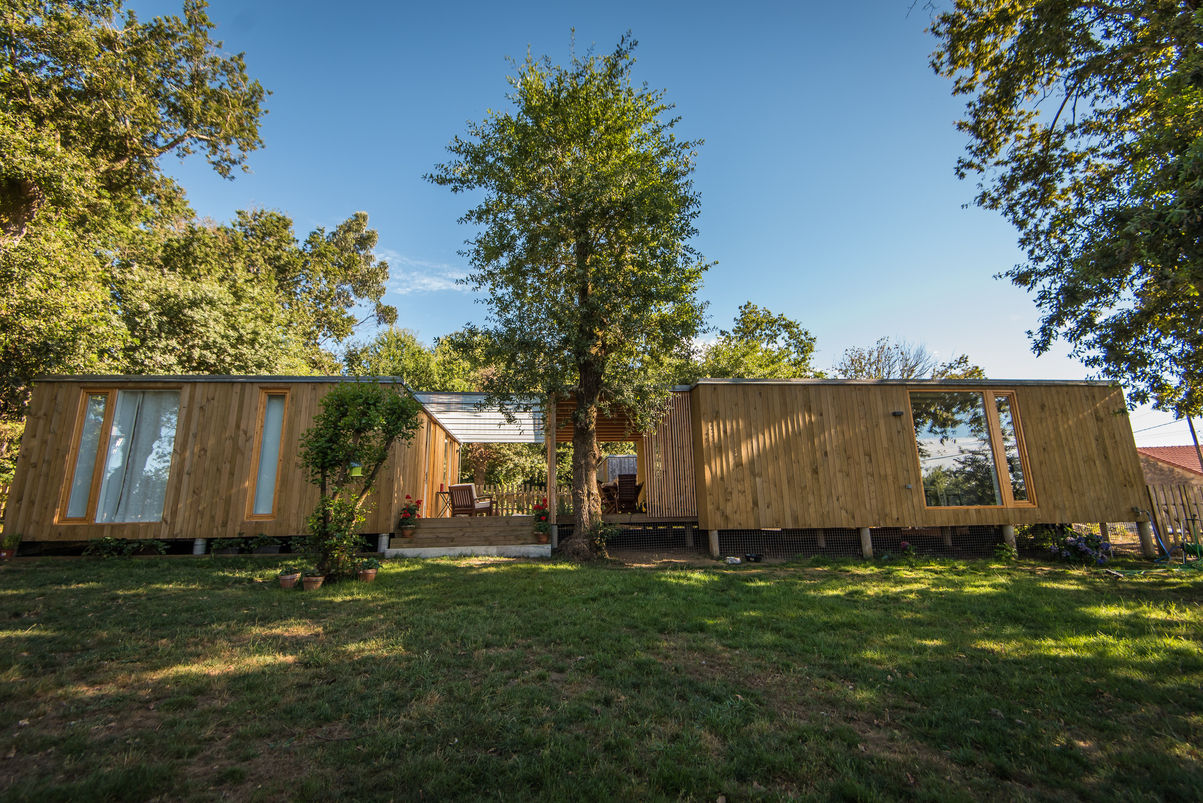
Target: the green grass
(199, 679)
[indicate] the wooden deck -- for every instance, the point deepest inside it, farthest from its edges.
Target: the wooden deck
(465, 531)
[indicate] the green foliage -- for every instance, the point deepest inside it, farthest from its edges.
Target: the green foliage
(889, 359)
(760, 345)
(399, 353)
(357, 426)
(109, 547)
(262, 540)
(218, 545)
(103, 267)
(10, 540)
(368, 563)
(582, 242)
(1005, 552)
(90, 99)
(1085, 125)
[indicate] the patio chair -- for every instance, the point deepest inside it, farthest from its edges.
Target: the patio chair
(465, 502)
(628, 493)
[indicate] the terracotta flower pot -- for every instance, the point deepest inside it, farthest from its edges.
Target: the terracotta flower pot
(312, 583)
(367, 575)
(407, 532)
(541, 537)
(289, 580)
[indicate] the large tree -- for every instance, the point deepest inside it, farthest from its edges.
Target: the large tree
(91, 98)
(1085, 125)
(582, 248)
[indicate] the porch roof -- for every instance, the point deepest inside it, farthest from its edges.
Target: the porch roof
(463, 415)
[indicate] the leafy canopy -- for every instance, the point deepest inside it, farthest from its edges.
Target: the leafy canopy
(582, 246)
(759, 345)
(1085, 125)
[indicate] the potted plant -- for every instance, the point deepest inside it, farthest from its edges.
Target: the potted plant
(225, 546)
(367, 569)
(8, 545)
(264, 544)
(312, 579)
(542, 522)
(289, 576)
(411, 511)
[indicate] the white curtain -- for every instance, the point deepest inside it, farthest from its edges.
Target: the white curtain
(138, 462)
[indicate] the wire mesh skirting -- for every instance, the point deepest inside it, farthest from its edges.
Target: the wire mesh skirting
(947, 542)
(670, 536)
(786, 544)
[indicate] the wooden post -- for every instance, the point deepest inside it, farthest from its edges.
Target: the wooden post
(946, 532)
(1009, 535)
(821, 535)
(688, 535)
(1104, 531)
(714, 544)
(549, 436)
(1146, 539)
(866, 542)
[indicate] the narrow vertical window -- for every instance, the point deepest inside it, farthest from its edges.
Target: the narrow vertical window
(138, 461)
(85, 458)
(267, 468)
(1012, 453)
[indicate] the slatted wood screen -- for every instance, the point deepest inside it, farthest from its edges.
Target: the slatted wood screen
(1177, 511)
(668, 458)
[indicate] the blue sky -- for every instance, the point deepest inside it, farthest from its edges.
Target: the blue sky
(826, 175)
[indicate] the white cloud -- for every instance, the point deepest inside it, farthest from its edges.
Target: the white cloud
(408, 275)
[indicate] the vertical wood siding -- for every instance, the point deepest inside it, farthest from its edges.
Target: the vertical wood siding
(669, 465)
(211, 472)
(827, 455)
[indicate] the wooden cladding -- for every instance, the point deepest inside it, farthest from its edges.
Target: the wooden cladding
(214, 465)
(801, 455)
(667, 457)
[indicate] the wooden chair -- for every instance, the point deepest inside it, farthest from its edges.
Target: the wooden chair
(465, 502)
(628, 493)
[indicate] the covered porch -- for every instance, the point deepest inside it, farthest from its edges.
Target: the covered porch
(663, 474)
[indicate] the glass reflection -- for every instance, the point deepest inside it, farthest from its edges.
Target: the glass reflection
(1006, 422)
(955, 455)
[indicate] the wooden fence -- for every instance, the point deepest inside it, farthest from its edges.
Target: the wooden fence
(514, 500)
(1177, 511)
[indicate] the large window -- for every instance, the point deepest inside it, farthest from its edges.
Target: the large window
(121, 457)
(967, 440)
(272, 407)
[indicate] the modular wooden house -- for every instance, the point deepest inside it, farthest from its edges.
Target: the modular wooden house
(190, 457)
(204, 457)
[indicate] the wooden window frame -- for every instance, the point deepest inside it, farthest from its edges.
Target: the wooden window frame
(102, 450)
(997, 447)
(264, 395)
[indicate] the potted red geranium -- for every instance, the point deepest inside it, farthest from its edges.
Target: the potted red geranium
(542, 521)
(411, 511)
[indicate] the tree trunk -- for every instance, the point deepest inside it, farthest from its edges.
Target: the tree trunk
(585, 497)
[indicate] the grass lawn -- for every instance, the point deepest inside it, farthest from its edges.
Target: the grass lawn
(199, 679)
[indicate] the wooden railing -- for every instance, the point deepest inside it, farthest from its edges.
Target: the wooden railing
(1177, 510)
(514, 500)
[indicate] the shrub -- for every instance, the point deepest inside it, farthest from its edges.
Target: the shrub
(1064, 543)
(343, 453)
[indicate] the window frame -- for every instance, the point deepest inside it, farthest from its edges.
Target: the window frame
(102, 449)
(253, 485)
(997, 447)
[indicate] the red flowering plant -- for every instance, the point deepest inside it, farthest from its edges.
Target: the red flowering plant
(411, 511)
(542, 517)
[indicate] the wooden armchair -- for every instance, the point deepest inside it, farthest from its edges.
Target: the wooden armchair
(628, 493)
(465, 502)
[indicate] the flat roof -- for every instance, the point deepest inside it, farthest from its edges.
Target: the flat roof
(934, 382)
